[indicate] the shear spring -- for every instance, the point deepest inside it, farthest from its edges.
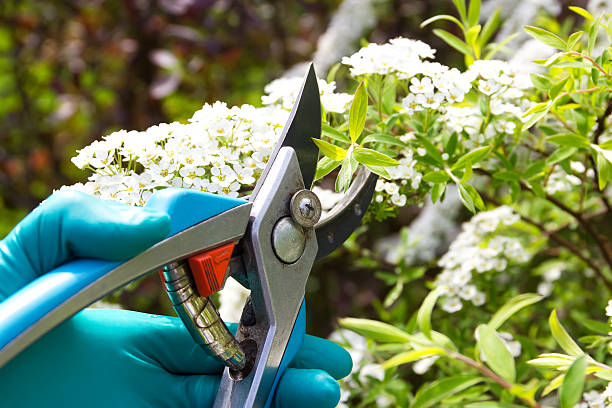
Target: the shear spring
(201, 316)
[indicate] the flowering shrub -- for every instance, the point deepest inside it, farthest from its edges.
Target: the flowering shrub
(527, 150)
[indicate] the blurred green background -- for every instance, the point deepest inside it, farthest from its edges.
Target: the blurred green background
(74, 70)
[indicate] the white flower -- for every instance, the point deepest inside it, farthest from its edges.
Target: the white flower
(430, 100)
(398, 199)
(410, 104)
(609, 309)
(371, 370)
(424, 86)
(452, 305)
(545, 288)
(488, 87)
(423, 365)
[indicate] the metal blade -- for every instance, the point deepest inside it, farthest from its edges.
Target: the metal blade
(346, 216)
(303, 124)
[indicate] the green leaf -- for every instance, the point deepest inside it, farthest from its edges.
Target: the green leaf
(507, 175)
(535, 118)
(389, 93)
(489, 28)
(553, 385)
(466, 198)
(431, 149)
(541, 82)
(373, 158)
(436, 191)
(442, 17)
(534, 169)
(412, 355)
(331, 75)
(358, 111)
(560, 155)
(345, 175)
(325, 166)
(557, 88)
(582, 12)
(460, 5)
(570, 140)
(573, 39)
(605, 170)
(332, 151)
(382, 138)
(596, 326)
(430, 394)
(438, 176)
(375, 330)
(380, 170)
(473, 157)
(540, 107)
(546, 37)
(424, 313)
(474, 12)
(498, 357)
(573, 383)
(511, 307)
(453, 41)
(593, 35)
(476, 199)
(472, 35)
(563, 339)
(334, 134)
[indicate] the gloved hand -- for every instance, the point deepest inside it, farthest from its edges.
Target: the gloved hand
(103, 358)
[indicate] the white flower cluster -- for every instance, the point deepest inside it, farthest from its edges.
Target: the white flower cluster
(399, 178)
(221, 149)
(504, 86)
(400, 56)
(478, 248)
(594, 399)
(560, 181)
(438, 84)
(284, 92)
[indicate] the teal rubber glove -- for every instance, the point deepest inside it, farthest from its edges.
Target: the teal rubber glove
(102, 358)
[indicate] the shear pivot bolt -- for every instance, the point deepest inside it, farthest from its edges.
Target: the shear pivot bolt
(305, 208)
(288, 240)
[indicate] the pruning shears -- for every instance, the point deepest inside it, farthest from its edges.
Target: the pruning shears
(268, 243)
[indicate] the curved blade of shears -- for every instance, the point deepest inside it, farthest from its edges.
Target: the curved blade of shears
(303, 124)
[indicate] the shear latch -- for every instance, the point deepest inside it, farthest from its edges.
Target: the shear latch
(208, 269)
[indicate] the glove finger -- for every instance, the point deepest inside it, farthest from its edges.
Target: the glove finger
(161, 340)
(325, 355)
(192, 391)
(306, 388)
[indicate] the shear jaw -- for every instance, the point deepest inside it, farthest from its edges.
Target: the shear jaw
(277, 286)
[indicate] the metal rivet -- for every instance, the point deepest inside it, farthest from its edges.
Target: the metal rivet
(288, 240)
(305, 208)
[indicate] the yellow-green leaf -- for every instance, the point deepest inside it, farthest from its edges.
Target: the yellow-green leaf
(413, 355)
(453, 41)
(582, 12)
(424, 313)
(372, 157)
(358, 111)
(332, 151)
(546, 37)
(376, 330)
(563, 339)
(498, 357)
(573, 383)
(511, 307)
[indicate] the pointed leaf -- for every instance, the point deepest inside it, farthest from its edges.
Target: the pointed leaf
(424, 313)
(438, 176)
(489, 28)
(332, 151)
(373, 158)
(325, 166)
(511, 307)
(453, 41)
(376, 330)
(382, 138)
(334, 134)
(413, 355)
(358, 111)
(563, 339)
(473, 157)
(573, 383)
(442, 17)
(582, 12)
(546, 37)
(380, 170)
(498, 357)
(474, 12)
